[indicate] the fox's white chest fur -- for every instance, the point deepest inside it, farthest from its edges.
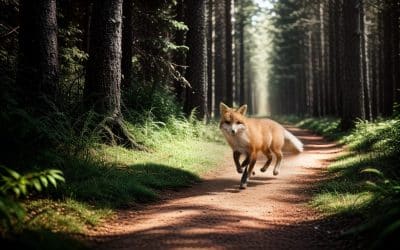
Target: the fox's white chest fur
(239, 141)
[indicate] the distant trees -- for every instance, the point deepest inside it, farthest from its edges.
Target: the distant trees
(232, 77)
(338, 58)
(345, 60)
(94, 65)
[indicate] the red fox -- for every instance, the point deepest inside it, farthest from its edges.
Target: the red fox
(250, 136)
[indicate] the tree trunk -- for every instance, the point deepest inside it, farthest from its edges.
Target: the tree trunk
(339, 34)
(228, 48)
(102, 91)
(332, 56)
(127, 44)
(220, 55)
(38, 67)
(322, 72)
(388, 84)
(241, 61)
(179, 56)
(196, 96)
(316, 61)
(395, 9)
(210, 57)
(353, 94)
(310, 74)
(365, 62)
(375, 81)
(249, 87)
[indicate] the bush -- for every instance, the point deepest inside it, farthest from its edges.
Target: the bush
(14, 185)
(381, 137)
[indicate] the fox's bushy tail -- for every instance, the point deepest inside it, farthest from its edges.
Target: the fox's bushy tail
(296, 143)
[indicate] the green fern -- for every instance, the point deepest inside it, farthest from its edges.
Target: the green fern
(13, 185)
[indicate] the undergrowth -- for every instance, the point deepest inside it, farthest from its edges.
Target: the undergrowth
(365, 181)
(107, 177)
(101, 178)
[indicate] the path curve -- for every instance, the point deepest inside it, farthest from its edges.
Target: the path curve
(272, 213)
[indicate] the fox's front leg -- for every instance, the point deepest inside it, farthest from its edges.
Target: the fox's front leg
(248, 171)
(246, 161)
(236, 158)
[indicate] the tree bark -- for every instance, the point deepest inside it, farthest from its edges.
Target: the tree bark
(242, 93)
(210, 56)
(322, 58)
(332, 56)
(102, 91)
(249, 87)
(179, 56)
(353, 94)
(365, 62)
(127, 44)
(196, 96)
(310, 74)
(339, 34)
(388, 84)
(228, 47)
(316, 61)
(395, 9)
(220, 55)
(38, 67)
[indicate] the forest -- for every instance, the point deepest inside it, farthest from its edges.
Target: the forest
(113, 105)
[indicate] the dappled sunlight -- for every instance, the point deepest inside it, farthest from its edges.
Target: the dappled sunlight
(212, 227)
(217, 214)
(112, 112)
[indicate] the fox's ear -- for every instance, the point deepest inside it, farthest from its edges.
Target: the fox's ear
(223, 108)
(242, 110)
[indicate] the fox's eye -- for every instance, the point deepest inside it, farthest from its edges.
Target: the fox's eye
(226, 122)
(238, 123)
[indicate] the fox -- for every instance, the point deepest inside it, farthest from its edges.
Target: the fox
(249, 136)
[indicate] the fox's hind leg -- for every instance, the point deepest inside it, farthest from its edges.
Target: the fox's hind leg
(279, 157)
(269, 160)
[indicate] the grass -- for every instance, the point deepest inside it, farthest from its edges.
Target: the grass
(63, 216)
(103, 178)
(363, 181)
(326, 126)
(115, 177)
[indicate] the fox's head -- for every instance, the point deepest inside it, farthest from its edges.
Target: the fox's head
(233, 121)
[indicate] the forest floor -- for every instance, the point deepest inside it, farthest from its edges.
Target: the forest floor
(272, 213)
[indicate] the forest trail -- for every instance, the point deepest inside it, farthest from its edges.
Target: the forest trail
(272, 213)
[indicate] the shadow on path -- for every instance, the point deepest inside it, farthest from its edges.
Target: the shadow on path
(272, 213)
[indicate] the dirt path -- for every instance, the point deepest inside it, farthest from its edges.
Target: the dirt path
(272, 213)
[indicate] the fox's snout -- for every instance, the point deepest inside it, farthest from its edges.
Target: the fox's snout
(233, 129)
